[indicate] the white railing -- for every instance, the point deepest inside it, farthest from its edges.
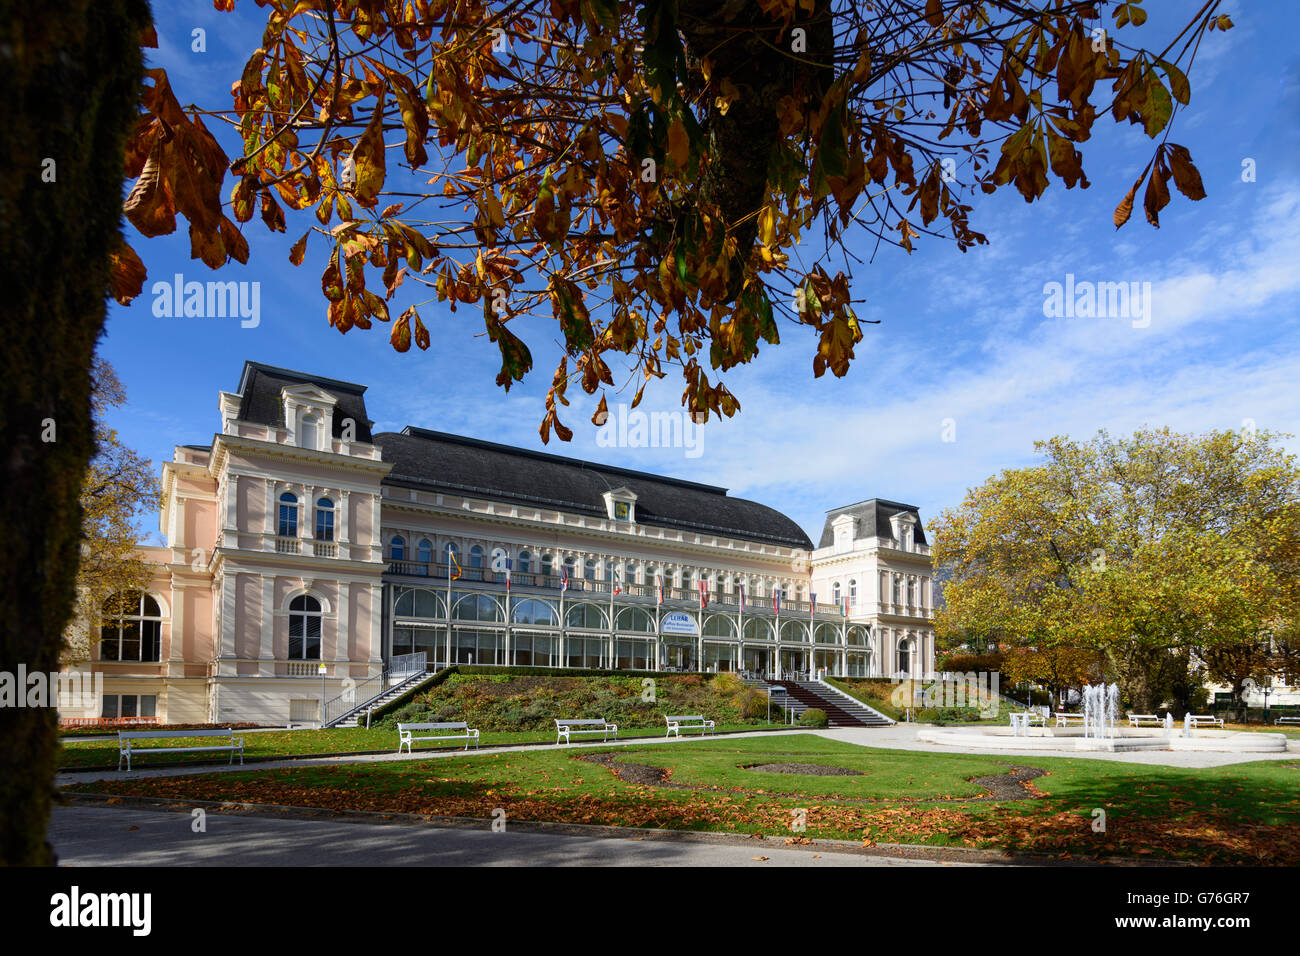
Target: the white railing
(288, 546)
(324, 549)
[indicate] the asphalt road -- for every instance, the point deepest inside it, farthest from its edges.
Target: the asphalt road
(116, 836)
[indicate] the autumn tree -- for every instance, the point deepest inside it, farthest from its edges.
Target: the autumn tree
(643, 174)
(1150, 556)
(118, 489)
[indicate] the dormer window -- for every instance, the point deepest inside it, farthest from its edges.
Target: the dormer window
(620, 504)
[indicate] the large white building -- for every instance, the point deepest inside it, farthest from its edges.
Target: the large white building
(299, 542)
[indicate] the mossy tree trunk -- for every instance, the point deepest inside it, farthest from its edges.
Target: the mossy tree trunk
(70, 88)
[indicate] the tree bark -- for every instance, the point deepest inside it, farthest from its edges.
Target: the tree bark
(72, 75)
(747, 48)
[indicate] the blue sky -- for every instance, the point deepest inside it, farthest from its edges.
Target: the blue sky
(962, 337)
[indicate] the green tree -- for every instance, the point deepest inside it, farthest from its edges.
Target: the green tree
(1144, 554)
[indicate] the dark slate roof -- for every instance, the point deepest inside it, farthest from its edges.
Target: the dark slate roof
(261, 402)
(437, 461)
(872, 520)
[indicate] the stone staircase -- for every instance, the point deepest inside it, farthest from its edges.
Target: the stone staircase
(841, 710)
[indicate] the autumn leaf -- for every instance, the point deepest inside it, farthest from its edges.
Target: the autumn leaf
(368, 160)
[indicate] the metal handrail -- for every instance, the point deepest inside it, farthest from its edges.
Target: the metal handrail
(401, 668)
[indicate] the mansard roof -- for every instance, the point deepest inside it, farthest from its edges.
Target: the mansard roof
(260, 389)
(871, 520)
(433, 460)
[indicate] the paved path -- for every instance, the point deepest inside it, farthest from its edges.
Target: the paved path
(142, 768)
(87, 835)
(903, 737)
(897, 737)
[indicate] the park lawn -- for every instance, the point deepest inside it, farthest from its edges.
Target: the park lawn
(1242, 813)
(78, 754)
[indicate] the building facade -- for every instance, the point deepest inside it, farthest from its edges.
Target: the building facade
(305, 555)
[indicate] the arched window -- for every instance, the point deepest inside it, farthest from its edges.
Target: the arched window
(131, 629)
(418, 602)
(532, 611)
(304, 628)
(589, 569)
(585, 615)
(548, 564)
(424, 551)
(635, 619)
(397, 548)
(448, 550)
(835, 593)
(476, 557)
(324, 519)
(287, 526)
(525, 561)
(853, 592)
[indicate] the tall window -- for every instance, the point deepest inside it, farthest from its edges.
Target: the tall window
(853, 592)
(132, 628)
(397, 548)
(310, 432)
(304, 628)
(448, 550)
(324, 519)
(548, 564)
(287, 526)
(424, 552)
(525, 561)
(589, 569)
(835, 593)
(476, 557)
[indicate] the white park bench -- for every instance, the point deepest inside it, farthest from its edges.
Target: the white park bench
(565, 727)
(1286, 720)
(1064, 720)
(406, 734)
(1029, 717)
(1196, 720)
(126, 746)
(1137, 720)
(676, 724)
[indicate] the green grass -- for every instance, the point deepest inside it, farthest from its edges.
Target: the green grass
(295, 743)
(1242, 813)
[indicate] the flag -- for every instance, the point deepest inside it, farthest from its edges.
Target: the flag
(812, 596)
(659, 588)
(704, 594)
(618, 581)
(742, 599)
(776, 603)
(844, 607)
(453, 563)
(508, 565)
(564, 576)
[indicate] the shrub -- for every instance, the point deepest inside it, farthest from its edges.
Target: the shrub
(812, 717)
(948, 715)
(753, 705)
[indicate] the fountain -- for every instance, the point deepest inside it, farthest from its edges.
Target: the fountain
(1100, 710)
(1101, 732)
